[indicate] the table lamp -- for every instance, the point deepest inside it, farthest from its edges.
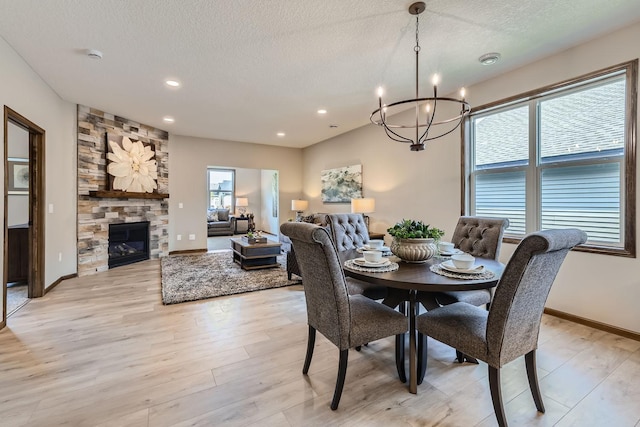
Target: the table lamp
(299, 206)
(364, 206)
(241, 204)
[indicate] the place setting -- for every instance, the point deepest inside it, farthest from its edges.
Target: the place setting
(462, 266)
(446, 249)
(375, 245)
(371, 261)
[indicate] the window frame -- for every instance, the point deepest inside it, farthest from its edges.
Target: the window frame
(530, 98)
(232, 209)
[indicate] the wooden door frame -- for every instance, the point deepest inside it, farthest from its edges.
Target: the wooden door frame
(36, 206)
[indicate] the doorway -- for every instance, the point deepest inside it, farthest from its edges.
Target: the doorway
(23, 254)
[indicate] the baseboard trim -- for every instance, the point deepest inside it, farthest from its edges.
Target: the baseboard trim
(188, 251)
(593, 324)
(60, 280)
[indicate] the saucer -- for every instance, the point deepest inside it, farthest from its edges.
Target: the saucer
(449, 266)
(367, 248)
(364, 263)
(453, 252)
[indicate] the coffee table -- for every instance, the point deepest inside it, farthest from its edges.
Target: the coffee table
(252, 256)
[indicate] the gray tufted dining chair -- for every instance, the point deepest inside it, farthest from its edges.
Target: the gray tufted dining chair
(511, 326)
(346, 320)
(349, 232)
(482, 238)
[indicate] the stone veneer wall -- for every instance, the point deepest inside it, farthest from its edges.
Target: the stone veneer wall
(95, 214)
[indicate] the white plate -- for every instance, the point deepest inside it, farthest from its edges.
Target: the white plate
(366, 248)
(448, 265)
(453, 252)
(363, 262)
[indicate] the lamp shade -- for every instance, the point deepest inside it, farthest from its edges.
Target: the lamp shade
(242, 202)
(299, 205)
(364, 205)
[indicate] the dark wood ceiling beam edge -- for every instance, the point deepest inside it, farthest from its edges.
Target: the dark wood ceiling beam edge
(128, 195)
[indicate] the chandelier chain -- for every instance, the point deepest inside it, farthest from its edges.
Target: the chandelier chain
(417, 46)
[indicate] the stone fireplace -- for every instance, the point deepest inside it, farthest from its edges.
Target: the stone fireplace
(96, 214)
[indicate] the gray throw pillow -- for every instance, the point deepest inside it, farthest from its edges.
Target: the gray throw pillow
(309, 218)
(223, 214)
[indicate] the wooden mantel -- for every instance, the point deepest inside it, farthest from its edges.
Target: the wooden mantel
(127, 195)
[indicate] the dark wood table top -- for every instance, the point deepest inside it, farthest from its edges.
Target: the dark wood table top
(419, 277)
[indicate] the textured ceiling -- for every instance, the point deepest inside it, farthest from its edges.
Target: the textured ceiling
(251, 68)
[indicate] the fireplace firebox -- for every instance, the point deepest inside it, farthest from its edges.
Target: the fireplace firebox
(128, 243)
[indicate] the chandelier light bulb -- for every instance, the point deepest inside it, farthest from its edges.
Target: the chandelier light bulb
(435, 79)
(380, 91)
(427, 108)
(463, 92)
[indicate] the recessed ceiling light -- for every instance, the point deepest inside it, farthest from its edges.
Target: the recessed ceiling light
(168, 119)
(489, 58)
(172, 83)
(322, 111)
(280, 134)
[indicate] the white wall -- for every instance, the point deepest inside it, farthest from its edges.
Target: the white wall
(188, 161)
(24, 91)
(427, 185)
(248, 185)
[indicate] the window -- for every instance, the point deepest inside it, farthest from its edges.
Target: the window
(558, 157)
(221, 185)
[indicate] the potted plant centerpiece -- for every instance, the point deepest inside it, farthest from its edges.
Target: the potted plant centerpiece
(414, 241)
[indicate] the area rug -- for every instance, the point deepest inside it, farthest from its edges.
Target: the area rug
(196, 277)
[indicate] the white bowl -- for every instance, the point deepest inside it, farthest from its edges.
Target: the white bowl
(376, 244)
(464, 261)
(445, 246)
(372, 256)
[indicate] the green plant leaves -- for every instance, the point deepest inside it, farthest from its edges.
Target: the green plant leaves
(412, 229)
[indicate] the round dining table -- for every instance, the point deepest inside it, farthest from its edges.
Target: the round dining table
(415, 277)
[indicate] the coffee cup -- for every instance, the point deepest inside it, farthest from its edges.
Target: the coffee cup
(376, 244)
(463, 261)
(372, 256)
(445, 246)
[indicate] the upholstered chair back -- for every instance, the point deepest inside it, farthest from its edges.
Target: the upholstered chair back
(480, 236)
(348, 231)
(324, 281)
(514, 319)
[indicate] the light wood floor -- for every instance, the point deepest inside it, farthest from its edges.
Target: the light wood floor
(104, 351)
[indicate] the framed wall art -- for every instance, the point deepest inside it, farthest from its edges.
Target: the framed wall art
(340, 185)
(131, 165)
(18, 170)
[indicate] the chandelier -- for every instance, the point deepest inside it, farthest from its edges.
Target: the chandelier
(426, 126)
